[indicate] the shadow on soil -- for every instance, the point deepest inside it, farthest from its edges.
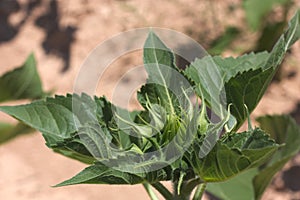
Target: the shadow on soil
(58, 39)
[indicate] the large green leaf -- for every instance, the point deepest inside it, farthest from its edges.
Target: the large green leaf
(234, 188)
(213, 76)
(21, 83)
(247, 89)
(244, 78)
(232, 155)
(283, 130)
(231, 80)
(81, 127)
(101, 174)
(55, 119)
(159, 64)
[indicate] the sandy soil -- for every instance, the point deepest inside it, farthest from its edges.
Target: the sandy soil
(27, 167)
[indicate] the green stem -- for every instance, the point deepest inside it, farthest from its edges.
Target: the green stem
(190, 185)
(199, 191)
(187, 188)
(150, 192)
(178, 195)
(163, 190)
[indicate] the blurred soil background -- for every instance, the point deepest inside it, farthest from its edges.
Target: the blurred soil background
(62, 33)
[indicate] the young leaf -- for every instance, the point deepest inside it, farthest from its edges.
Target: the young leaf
(152, 93)
(156, 52)
(208, 79)
(21, 83)
(165, 83)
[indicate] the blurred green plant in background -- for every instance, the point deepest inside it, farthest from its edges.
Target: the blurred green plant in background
(19, 84)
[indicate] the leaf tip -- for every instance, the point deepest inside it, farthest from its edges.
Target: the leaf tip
(64, 183)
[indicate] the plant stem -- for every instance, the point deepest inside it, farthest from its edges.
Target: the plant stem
(150, 192)
(190, 185)
(163, 190)
(199, 191)
(186, 189)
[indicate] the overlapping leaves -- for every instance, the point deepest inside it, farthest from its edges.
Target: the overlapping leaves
(283, 130)
(243, 79)
(21, 83)
(233, 154)
(93, 130)
(132, 147)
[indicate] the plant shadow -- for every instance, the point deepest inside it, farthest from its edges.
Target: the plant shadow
(58, 39)
(9, 31)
